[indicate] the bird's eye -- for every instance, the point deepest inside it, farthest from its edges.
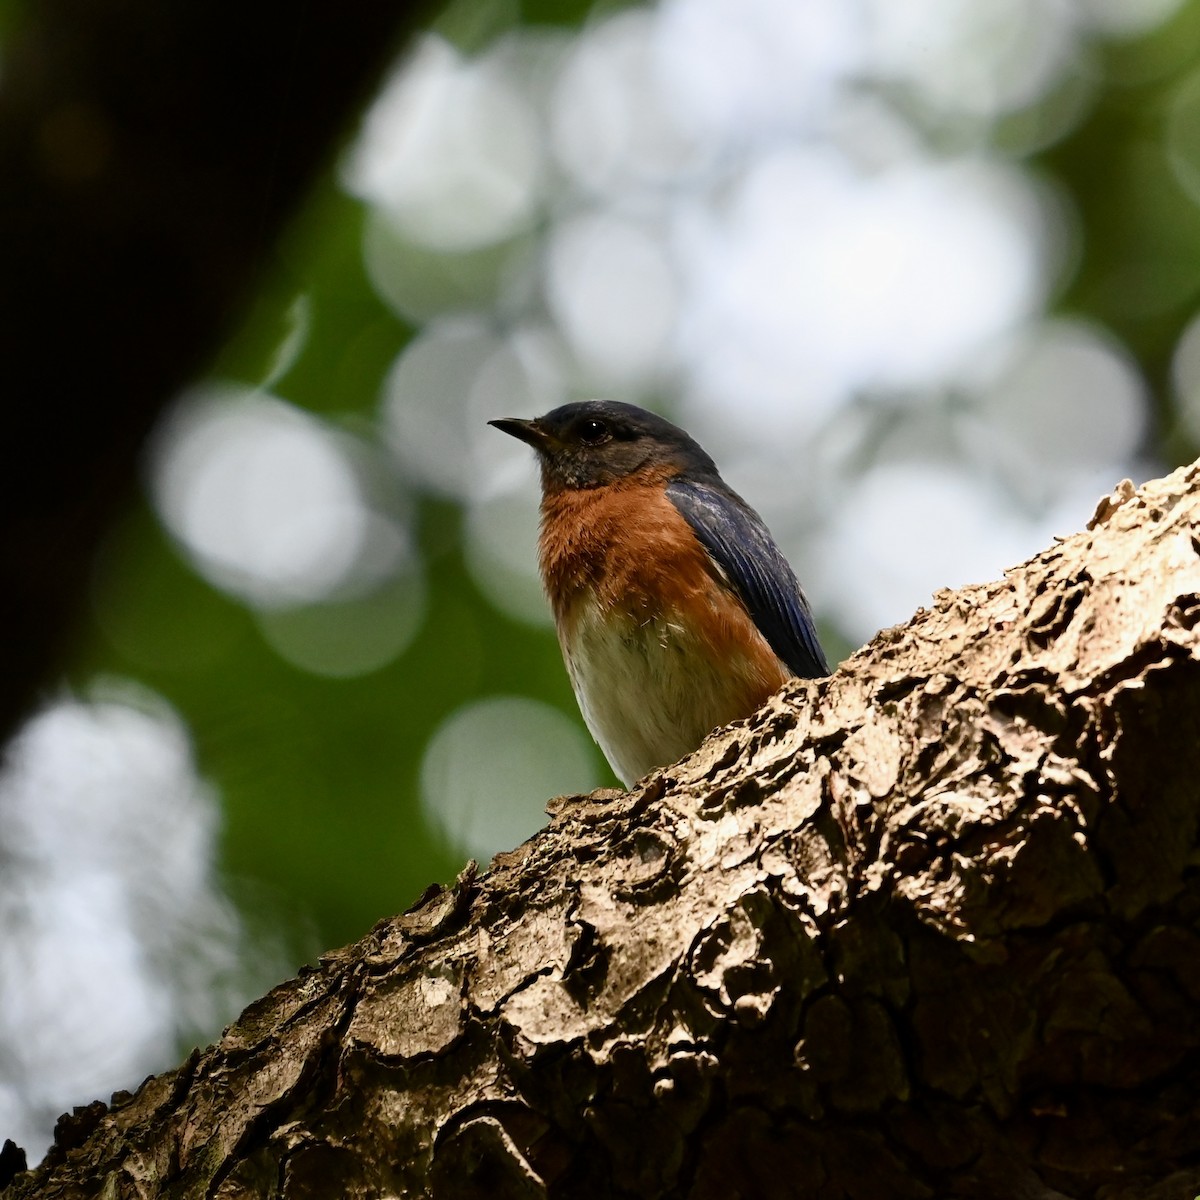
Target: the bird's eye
(593, 431)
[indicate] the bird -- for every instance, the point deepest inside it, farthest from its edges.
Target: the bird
(675, 610)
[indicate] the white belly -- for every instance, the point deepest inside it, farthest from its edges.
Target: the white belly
(651, 696)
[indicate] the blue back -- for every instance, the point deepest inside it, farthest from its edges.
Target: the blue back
(739, 543)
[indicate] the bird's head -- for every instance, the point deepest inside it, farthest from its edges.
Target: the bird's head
(597, 442)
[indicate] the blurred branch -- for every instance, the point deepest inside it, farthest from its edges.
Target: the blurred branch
(925, 928)
(149, 156)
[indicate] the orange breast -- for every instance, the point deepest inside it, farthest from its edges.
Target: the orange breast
(659, 648)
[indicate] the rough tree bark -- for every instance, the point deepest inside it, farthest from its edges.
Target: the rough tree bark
(927, 928)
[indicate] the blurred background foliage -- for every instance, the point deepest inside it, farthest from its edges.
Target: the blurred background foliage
(923, 278)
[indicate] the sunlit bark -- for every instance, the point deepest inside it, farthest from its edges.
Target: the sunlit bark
(927, 928)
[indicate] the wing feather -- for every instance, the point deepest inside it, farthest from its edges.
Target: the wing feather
(739, 543)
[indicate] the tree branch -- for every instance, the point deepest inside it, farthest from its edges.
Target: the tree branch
(927, 928)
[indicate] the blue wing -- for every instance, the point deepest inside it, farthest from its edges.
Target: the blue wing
(738, 542)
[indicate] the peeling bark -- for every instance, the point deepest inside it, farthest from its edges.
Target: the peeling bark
(926, 928)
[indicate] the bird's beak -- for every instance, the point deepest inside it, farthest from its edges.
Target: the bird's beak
(526, 431)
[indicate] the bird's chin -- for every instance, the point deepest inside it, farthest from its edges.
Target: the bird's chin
(564, 472)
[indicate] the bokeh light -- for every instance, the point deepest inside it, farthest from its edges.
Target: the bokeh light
(611, 121)
(350, 637)
(118, 945)
(1127, 18)
(264, 498)
(912, 511)
(438, 397)
(450, 151)
(820, 282)
(491, 767)
(501, 550)
(738, 71)
(979, 57)
(1185, 376)
(611, 289)
(1070, 397)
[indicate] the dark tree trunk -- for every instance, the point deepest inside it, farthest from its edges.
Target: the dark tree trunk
(927, 928)
(150, 154)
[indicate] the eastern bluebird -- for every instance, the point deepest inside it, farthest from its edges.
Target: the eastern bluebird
(675, 610)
